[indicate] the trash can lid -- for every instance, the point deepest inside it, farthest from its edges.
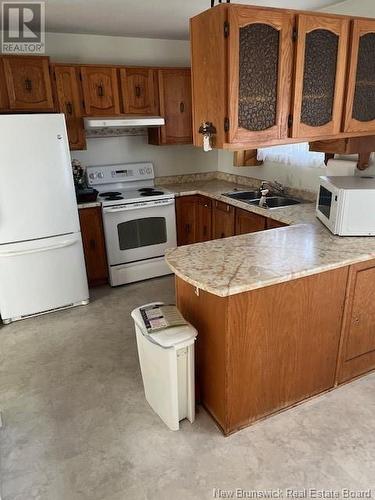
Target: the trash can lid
(168, 337)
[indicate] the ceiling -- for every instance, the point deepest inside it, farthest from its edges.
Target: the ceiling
(143, 18)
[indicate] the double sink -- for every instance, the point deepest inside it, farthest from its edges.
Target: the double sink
(253, 198)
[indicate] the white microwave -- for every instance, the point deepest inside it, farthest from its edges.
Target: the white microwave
(346, 205)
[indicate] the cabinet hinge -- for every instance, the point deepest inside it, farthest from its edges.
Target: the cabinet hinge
(226, 29)
(290, 121)
(295, 35)
(226, 124)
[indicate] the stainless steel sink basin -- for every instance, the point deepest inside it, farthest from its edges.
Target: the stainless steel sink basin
(243, 195)
(277, 202)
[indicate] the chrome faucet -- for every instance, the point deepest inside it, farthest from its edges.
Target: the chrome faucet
(273, 186)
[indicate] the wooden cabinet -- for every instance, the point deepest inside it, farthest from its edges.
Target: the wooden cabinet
(69, 102)
(358, 338)
(242, 63)
(320, 75)
(360, 98)
(260, 50)
(248, 61)
(27, 84)
(94, 245)
(199, 218)
(264, 350)
(222, 220)
(272, 223)
(186, 220)
(204, 218)
(248, 222)
(138, 91)
(193, 219)
(175, 106)
(100, 90)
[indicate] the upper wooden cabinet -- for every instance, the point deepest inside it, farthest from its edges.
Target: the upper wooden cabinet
(138, 91)
(27, 84)
(360, 99)
(260, 61)
(100, 90)
(69, 101)
(264, 76)
(175, 107)
(319, 75)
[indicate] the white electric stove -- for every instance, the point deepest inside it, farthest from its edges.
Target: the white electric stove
(139, 220)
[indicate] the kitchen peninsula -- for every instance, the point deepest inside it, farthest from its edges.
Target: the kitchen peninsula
(282, 315)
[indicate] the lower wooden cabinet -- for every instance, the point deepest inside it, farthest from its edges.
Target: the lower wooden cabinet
(223, 220)
(194, 219)
(272, 223)
(200, 218)
(248, 222)
(358, 338)
(94, 245)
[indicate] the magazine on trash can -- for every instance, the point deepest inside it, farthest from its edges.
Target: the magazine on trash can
(158, 317)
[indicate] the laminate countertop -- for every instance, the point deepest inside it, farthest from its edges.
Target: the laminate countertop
(242, 263)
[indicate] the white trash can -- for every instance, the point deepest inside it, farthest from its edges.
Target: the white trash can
(167, 365)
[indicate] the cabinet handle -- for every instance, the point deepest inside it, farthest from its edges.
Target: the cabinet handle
(28, 85)
(92, 244)
(69, 108)
(187, 228)
(100, 90)
(356, 320)
(138, 91)
(182, 107)
(204, 230)
(222, 235)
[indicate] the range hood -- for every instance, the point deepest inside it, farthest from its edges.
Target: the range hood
(125, 121)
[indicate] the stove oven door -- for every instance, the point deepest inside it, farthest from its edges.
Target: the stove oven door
(139, 231)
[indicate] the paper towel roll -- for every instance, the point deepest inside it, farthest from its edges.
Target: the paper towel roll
(341, 167)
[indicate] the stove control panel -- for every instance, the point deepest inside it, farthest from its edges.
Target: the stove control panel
(125, 172)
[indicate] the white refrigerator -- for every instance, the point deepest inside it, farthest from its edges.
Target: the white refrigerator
(42, 265)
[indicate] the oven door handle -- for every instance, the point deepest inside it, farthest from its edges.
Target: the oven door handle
(137, 207)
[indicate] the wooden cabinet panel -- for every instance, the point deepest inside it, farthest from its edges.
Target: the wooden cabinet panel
(100, 90)
(94, 245)
(138, 91)
(358, 348)
(186, 220)
(28, 83)
(175, 107)
(248, 222)
(360, 99)
(278, 345)
(204, 219)
(320, 75)
(272, 224)
(260, 73)
(222, 220)
(69, 101)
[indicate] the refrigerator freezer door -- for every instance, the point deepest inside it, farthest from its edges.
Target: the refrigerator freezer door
(41, 275)
(37, 197)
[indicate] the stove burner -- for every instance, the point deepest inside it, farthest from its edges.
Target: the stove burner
(113, 198)
(152, 193)
(146, 190)
(110, 193)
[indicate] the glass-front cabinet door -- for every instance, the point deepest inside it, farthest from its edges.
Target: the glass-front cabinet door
(319, 75)
(360, 104)
(260, 74)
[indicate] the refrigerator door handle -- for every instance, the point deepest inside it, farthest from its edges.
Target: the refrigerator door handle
(63, 244)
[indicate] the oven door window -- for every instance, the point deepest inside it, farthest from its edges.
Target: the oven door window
(325, 201)
(142, 232)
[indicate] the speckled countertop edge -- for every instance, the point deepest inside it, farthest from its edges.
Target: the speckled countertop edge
(229, 278)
